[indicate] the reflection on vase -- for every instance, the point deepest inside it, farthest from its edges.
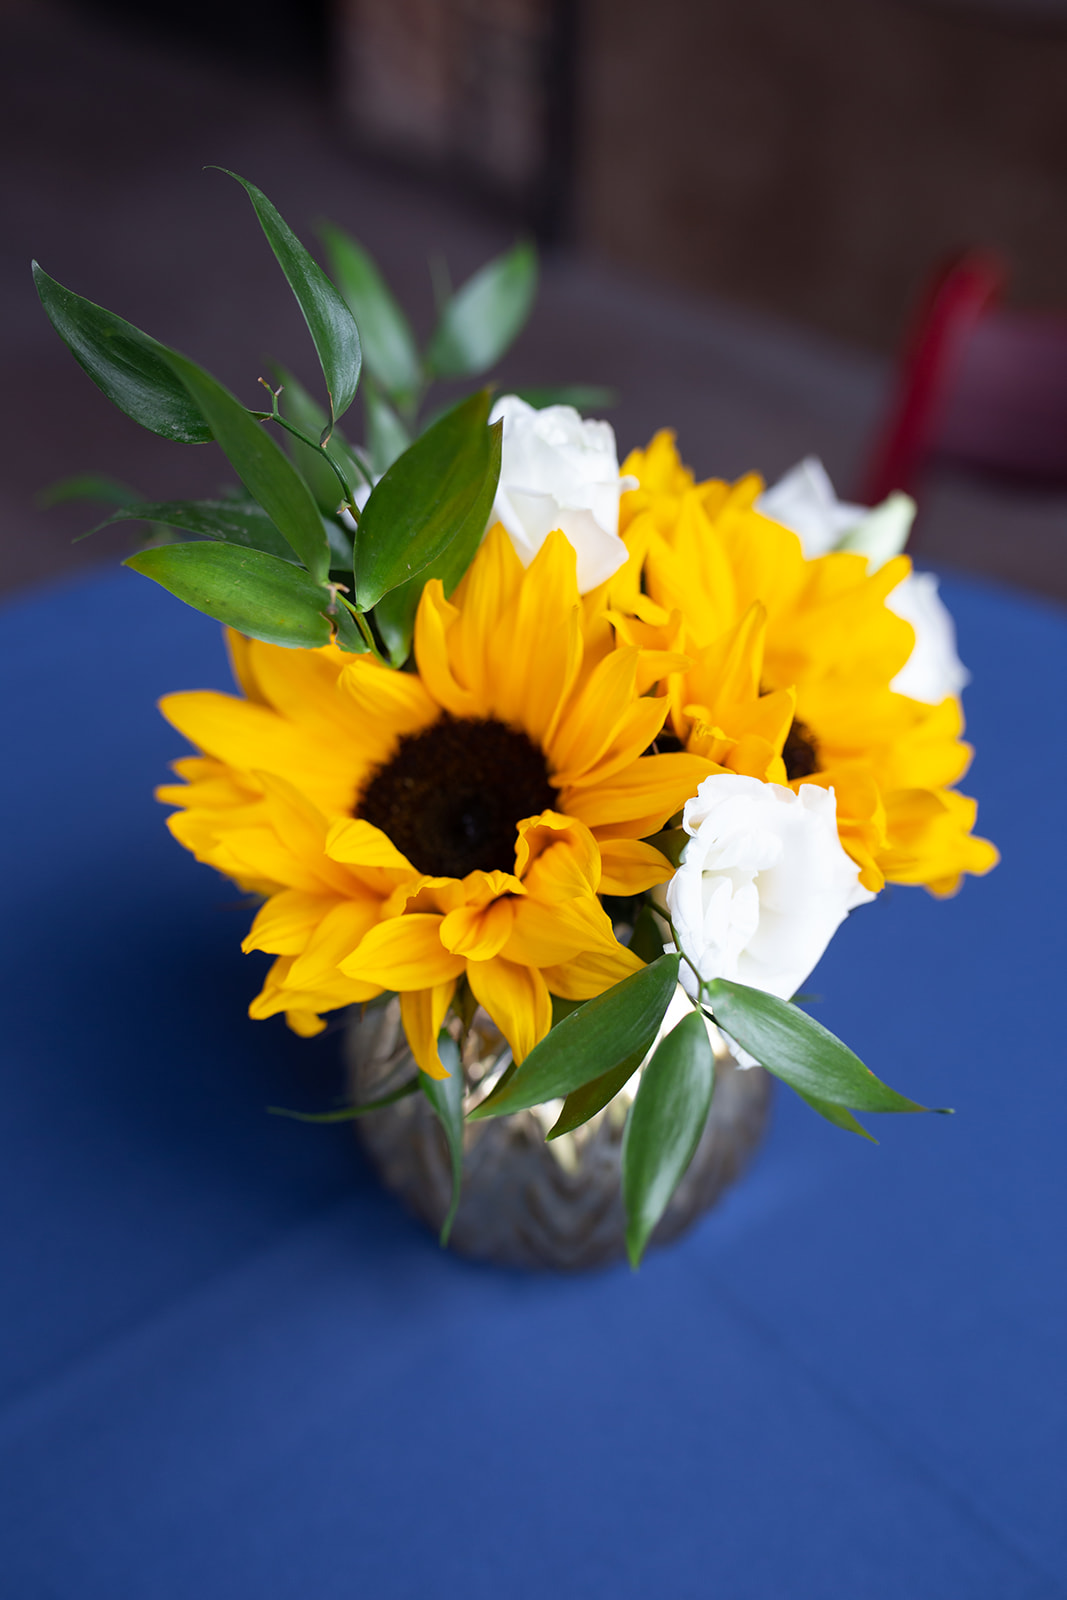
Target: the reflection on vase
(526, 1202)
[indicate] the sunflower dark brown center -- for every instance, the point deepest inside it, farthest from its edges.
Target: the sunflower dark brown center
(451, 796)
(800, 752)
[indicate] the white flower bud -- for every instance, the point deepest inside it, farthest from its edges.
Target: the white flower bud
(558, 471)
(763, 885)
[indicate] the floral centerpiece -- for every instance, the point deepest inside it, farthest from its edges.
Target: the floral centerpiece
(600, 757)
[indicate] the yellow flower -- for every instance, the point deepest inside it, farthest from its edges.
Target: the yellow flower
(790, 666)
(459, 821)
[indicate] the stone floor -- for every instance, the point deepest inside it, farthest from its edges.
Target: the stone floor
(104, 142)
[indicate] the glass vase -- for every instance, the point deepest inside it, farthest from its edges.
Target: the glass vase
(526, 1202)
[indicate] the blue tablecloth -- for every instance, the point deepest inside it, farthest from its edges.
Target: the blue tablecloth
(232, 1367)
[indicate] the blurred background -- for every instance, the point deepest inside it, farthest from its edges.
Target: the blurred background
(743, 211)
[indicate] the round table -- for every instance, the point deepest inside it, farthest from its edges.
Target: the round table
(233, 1368)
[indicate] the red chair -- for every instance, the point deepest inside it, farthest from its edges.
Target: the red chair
(976, 384)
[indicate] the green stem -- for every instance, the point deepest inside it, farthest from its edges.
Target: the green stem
(313, 444)
(701, 982)
(365, 629)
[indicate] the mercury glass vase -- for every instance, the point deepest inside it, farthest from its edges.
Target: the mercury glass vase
(525, 1202)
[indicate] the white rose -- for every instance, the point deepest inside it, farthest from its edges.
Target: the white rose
(934, 669)
(804, 501)
(558, 471)
(763, 884)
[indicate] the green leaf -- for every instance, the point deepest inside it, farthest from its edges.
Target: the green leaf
(593, 1040)
(840, 1116)
(585, 1102)
(482, 318)
(647, 940)
(263, 468)
(246, 589)
(423, 501)
(348, 634)
(664, 1127)
(330, 322)
(130, 367)
(348, 1113)
(387, 437)
(446, 1097)
(95, 487)
(800, 1050)
(240, 522)
(584, 397)
(298, 407)
(388, 345)
(395, 612)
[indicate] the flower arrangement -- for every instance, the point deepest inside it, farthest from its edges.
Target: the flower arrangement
(608, 754)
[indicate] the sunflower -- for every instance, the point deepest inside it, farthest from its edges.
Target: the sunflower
(454, 824)
(790, 665)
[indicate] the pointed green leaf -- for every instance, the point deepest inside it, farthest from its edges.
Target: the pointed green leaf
(588, 398)
(388, 345)
(800, 1050)
(246, 589)
(240, 522)
(423, 501)
(394, 614)
(446, 1097)
(263, 468)
(482, 318)
(298, 407)
(840, 1116)
(95, 487)
(387, 437)
(647, 940)
(593, 1040)
(130, 367)
(664, 1127)
(348, 1113)
(330, 323)
(585, 1102)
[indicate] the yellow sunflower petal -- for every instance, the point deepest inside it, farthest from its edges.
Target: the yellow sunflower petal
(238, 647)
(306, 1024)
(435, 620)
(540, 626)
(590, 973)
(302, 686)
(516, 998)
(302, 829)
(486, 592)
(247, 736)
(478, 932)
(286, 922)
(655, 786)
(258, 853)
(630, 867)
(337, 935)
(422, 1012)
(358, 843)
(557, 857)
(385, 705)
(278, 995)
(404, 953)
(543, 935)
(592, 721)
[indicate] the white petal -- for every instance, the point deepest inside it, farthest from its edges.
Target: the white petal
(804, 501)
(763, 884)
(560, 471)
(934, 669)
